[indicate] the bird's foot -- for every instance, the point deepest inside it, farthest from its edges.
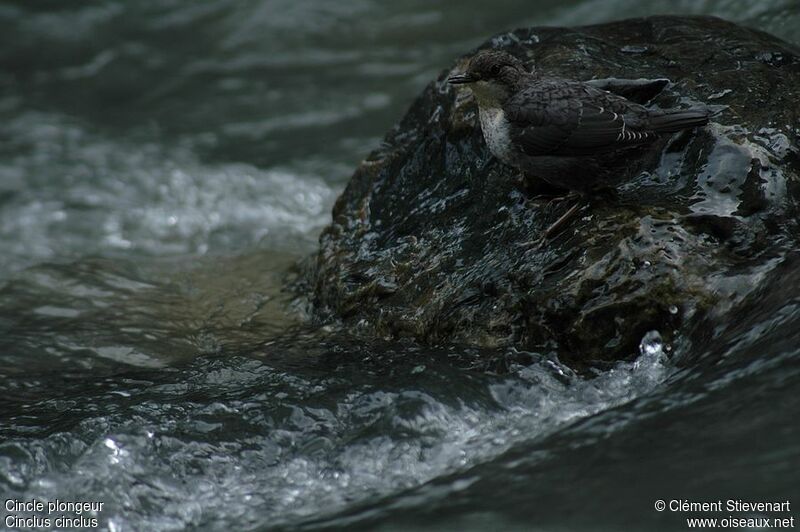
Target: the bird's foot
(548, 201)
(572, 195)
(555, 227)
(537, 190)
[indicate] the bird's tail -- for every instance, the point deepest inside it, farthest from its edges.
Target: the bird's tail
(677, 120)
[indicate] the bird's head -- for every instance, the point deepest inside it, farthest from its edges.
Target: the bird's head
(491, 74)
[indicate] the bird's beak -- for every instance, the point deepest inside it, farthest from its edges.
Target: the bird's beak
(460, 79)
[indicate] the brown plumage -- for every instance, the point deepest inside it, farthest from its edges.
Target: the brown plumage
(559, 130)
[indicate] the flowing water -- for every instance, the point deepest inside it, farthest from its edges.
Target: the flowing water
(163, 163)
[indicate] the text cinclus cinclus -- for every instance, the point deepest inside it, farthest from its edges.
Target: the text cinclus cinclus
(559, 130)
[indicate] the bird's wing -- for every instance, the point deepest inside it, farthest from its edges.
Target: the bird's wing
(573, 119)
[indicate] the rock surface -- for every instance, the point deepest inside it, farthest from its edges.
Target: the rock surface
(425, 240)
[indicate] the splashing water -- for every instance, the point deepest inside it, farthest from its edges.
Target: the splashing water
(252, 443)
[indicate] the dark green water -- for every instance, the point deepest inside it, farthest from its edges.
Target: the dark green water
(163, 163)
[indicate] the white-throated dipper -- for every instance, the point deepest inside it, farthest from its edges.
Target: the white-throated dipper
(558, 130)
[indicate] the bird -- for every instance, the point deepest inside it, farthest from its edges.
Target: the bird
(564, 132)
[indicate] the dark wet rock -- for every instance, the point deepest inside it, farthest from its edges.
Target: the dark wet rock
(425, 240)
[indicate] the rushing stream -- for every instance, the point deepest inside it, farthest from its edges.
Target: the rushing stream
(164, 163)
